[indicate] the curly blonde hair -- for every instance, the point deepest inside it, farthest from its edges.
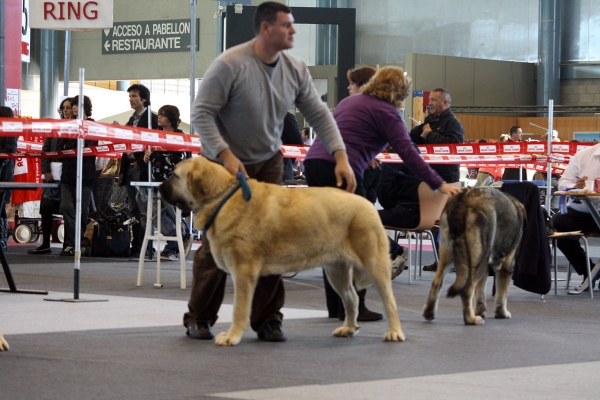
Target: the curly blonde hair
(390, 84)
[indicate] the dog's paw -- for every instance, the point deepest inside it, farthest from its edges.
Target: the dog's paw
(502, 314)
(223, 339)
(394, 336)
(428, 313)
(3, 344)
(476, 320)
(346, 331)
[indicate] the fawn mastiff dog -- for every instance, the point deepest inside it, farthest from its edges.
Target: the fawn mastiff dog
(3, 343)
(480, 228)
(277, 230)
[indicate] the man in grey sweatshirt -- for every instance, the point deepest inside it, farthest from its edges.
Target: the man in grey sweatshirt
(239, 114)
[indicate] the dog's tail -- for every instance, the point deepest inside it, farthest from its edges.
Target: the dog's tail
(472, 243)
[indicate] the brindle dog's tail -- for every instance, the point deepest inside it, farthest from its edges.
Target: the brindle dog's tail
(471, 236)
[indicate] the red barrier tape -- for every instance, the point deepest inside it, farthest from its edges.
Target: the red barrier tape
(127, 138)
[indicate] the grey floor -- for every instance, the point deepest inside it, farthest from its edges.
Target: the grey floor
(133, 346)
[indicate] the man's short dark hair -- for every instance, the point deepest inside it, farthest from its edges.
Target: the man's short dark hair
(143, 91)
(444, 92)
(514, 129)
(267, 11)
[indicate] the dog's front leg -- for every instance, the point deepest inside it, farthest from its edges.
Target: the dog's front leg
(243, 286)
(3, 343)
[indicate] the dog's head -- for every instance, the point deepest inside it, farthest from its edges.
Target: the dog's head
(193, 181)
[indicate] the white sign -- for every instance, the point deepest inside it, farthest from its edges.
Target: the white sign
(25, 33)
(71, 15)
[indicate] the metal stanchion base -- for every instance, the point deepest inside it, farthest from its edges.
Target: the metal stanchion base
(24, 291)
(76, 300)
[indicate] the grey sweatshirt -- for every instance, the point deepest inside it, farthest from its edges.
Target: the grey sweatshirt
(242, 102)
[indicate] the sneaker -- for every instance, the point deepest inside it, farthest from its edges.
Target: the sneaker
(272, 332)
(398, 266)
(68, 251)
(200, 330)
(40, 250)
(167, 255)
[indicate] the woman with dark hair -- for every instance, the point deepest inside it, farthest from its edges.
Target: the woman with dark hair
(368, 122)
(51, 172)
(69, 180)
(65, 110)
(162, 164)
(8, 144)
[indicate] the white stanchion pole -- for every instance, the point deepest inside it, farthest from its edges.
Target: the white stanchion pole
(78, 185)
(549, 164)
(78, 191)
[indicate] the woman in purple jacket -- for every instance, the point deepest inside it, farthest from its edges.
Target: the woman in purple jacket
(368, 122)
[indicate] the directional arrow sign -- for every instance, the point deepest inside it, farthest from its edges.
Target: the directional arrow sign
(149, 37)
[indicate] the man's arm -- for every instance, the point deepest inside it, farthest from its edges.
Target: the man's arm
(212, 96)
(452, 132)
(318, 115)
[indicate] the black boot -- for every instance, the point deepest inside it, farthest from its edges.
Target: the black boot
(364, 314)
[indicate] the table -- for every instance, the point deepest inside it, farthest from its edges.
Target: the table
(12, 287)
(585, 198)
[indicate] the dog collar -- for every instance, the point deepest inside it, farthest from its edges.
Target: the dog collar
(246, 193)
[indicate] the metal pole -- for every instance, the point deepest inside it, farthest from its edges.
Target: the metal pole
(2, 68)
(78, 185)
(67, 65)
(219, 29)
(193, 29)
(549, 164)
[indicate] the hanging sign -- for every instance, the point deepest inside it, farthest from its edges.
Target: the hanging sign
(71, 15)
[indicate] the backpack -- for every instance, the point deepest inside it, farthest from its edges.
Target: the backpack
(110, 237)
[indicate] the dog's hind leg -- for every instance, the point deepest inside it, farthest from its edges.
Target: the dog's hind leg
(340, 277)
(503, 277)
(480, 305)
(244, 284)
(467, 298)
(444, 263)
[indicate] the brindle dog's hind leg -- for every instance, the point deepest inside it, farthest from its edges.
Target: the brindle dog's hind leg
(503, 277)
(445, 261)
(480, 306)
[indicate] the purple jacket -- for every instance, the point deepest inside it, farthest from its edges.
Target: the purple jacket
(367, 125)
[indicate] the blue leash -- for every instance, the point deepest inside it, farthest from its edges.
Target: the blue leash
(246, 193)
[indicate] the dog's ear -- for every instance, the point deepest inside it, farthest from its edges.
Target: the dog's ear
(194, 184)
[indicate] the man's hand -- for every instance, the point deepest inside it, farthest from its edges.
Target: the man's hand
(449, 189)
(48, 176)
(120, 180)
(580, 184)
(343, 171)
(426, 131)
(232, 163)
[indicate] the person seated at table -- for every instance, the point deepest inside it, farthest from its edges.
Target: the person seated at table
(368, 122)
(8, 144)
(584, 166)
